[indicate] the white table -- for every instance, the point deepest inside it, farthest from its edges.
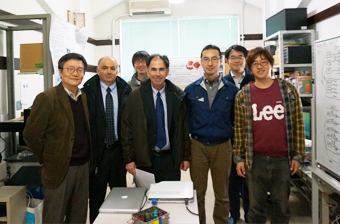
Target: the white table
(178, 213)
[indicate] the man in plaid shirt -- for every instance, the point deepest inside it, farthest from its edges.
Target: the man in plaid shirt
(269, 138)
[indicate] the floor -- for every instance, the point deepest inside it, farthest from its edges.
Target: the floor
(299, 207)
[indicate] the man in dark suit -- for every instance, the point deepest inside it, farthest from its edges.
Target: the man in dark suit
(240, 76)
(235, 56)
(155, 125)
(58, 132)
(106, 95)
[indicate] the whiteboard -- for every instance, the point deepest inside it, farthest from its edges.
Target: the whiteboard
(327, 103)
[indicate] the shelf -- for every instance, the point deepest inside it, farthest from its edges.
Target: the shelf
(284, 36)
(306, 95)
(293, 66)
(3, 219)
(288, 34)
(39, 72)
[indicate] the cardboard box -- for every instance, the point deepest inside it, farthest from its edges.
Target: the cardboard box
(31, 59)
(304, 84)
(276, 59)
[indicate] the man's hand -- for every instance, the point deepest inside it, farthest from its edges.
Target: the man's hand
(240, 169)
(184, 165)
(131, 168)
(295, 166)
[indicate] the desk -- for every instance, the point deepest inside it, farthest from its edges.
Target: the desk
(14, 125)
(178, 214)
(16, 161)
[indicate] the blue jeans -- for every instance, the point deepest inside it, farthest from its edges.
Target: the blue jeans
(269, 174)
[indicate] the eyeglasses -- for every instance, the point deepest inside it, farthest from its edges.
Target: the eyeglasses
(213, 60)
(140, 61)
(236, 58)
(262, 63)
(80, 71)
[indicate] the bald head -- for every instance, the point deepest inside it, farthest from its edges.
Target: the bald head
(106, 57)
(107, 70)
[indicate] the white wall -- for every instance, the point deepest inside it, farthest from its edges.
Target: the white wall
(19, 7)
(324, 29)
(189, 8)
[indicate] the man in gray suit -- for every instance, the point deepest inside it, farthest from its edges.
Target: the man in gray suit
(58, 133)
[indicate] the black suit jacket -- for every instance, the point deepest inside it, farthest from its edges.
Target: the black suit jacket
(97, 112)
(247, 78)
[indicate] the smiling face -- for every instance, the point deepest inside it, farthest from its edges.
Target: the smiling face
(236, 61)
(71, 80)
(107, 71)
(211, 63)
(261, 68)
(157, 73)
(140, 66)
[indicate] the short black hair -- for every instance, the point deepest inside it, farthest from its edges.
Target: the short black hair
(236, 47)
(70, 56)
(210, 46)
(139, 55)
(163, 57)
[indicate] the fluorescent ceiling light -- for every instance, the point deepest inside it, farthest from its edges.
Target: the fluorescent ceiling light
(176, 1)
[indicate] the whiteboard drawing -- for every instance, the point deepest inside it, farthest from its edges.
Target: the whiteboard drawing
(332, 135)
(327, 105)
(331, 71)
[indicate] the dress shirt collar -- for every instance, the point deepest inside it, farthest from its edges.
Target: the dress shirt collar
(155, 91)
(75, 98)
(242, 76)
(205, 80)
(104, 86)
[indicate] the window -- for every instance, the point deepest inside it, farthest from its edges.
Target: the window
(175, 37)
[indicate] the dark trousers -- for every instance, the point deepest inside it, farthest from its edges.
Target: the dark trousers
(237, 188)
(111, 170)
(68, 202)
(268, 174)
(163, 167)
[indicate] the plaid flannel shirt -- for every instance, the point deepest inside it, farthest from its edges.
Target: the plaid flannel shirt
(243, 131)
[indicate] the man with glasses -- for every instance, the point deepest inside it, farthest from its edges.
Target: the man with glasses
(269, 140)
(58, 132)
(238, 75)
(139, 63)
(106, 96)
(210, 102)
(155, 125)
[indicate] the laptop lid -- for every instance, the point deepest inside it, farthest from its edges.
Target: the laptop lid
(172, 191)
(123, 200)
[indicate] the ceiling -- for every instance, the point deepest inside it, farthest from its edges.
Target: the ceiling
(101, 6)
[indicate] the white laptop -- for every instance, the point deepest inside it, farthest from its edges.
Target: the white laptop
(123, 200)
(171, 191)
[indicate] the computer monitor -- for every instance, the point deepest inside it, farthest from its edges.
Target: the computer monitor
(306, 112)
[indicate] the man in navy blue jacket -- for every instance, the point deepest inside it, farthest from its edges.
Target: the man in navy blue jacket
(240, 76)
(211, 107)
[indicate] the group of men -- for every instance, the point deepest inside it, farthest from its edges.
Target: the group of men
(87, 139)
